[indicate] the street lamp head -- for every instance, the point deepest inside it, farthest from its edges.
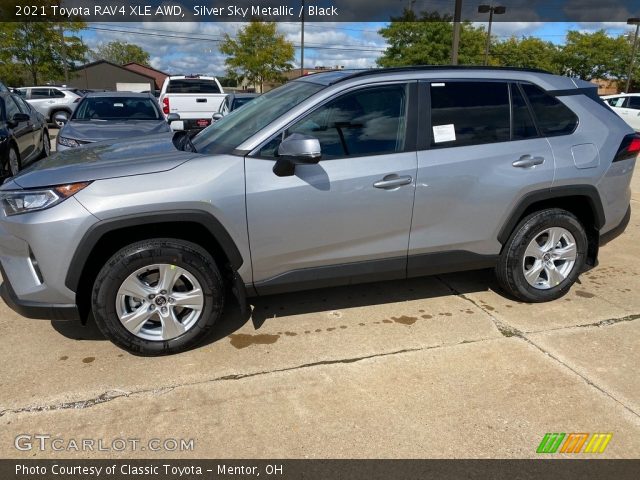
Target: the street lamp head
(633, 21)
(483, 8)
(499, 10)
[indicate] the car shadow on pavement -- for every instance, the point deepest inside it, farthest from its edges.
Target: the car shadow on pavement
(266, 310)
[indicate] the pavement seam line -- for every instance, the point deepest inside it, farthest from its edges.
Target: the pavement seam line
(504, 329)
(602, 323)
(114, 394)
(583, 377)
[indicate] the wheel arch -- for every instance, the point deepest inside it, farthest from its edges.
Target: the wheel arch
(106, 237)
(581, 200)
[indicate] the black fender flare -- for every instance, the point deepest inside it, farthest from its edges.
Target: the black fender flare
(93, 235)
(588, 191)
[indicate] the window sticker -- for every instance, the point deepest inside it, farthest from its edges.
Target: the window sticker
(437, 84)
(118, 105)
(444, 133)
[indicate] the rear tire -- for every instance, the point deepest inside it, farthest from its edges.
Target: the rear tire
(543, 257)
(14, 164)
(158, 297)
(46, 145)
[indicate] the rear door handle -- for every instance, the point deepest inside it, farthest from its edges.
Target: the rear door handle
(393, 181)
(201, 100)
(527, 161)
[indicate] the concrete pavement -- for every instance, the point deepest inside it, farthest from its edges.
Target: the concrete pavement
(431, 367)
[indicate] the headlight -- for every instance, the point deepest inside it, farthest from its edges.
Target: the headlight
(68, 142)
(15, 202)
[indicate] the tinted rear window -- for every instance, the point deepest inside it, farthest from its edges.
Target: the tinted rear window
(469, 113)
(192, 85)
(553, 116)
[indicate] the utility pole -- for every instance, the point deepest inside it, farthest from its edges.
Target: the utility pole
(302, 42)
(63, 54)
(636, 22)
(457, 14)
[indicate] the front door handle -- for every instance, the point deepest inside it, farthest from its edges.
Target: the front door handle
(527, 161)
(393, 181)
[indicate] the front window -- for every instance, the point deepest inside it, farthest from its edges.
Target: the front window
(227, 133)
(116, 108)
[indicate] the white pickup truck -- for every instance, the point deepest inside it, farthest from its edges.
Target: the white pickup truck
(195, 98)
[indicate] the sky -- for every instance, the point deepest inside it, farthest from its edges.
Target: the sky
(192, 47)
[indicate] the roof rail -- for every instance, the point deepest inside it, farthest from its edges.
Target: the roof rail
(412, 68)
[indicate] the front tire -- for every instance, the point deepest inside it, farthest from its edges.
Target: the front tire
(543, 257)
(158, 297)
(60, 112)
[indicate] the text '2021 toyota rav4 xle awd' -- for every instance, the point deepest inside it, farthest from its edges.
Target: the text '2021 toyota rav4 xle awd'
(331, 179)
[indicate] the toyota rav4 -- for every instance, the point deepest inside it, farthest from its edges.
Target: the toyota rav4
(331, 179)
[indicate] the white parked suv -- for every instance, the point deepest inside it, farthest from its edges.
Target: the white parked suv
(193, 98)
(627, 105)
(52, 101)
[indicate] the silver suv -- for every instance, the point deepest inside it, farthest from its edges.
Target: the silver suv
(331, 179)
(52, 102)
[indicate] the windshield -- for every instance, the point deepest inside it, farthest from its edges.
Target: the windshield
(116, 108)
(239, 101)
(230, 131)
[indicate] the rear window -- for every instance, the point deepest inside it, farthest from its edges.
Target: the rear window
(553, 117)
(469, 113)
(192, 85)
(116, 108)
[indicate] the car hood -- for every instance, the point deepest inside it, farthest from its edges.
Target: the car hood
(149, 154)
(97, 131)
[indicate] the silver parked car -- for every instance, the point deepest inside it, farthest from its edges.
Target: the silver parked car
(331, 179)
(52, 102)
(110, 116)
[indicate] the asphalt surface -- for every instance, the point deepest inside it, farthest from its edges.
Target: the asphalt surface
(433, 367)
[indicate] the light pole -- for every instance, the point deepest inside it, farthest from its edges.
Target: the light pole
(632, 21)
(491, 10)
(302, 42)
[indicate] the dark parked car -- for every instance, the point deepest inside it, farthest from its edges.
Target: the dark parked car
(111, 116)
(233, 102)
(24, 136)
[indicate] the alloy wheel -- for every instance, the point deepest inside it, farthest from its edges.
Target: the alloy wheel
(549, 258)
(159, 302)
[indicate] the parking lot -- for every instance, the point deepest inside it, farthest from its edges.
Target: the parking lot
(432, 367)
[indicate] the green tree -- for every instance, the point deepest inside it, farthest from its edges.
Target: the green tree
(258, 53)
(527, 52)
(595, 55)
(44, 49)
(425, 39)
(120, 53)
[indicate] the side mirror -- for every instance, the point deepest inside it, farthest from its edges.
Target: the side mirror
(19, 118)
(296, 149)
(172, 117)
(216, 116)
(62, 118)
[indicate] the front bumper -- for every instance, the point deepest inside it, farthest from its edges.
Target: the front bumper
(35, 253)
(37, 310)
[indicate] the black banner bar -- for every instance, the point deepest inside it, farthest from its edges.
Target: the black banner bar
(319, 469)
(314, 10)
